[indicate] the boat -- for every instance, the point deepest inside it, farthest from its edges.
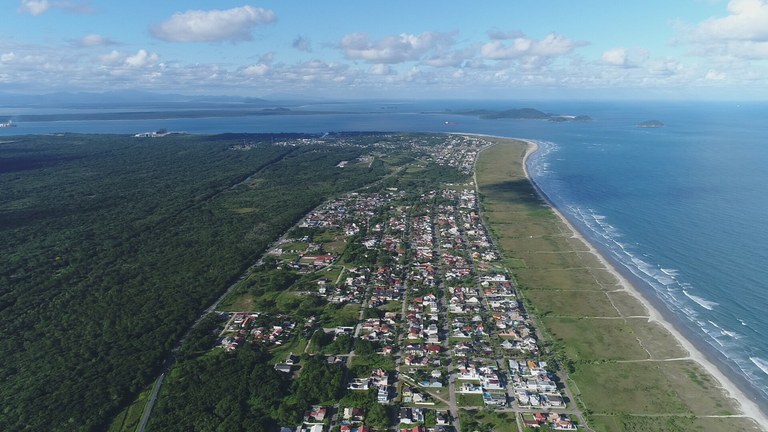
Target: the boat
(7, 124)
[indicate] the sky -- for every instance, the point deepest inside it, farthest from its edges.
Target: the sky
(356, 49)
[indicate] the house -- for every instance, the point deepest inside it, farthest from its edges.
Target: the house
(282, 367)
(315, 415)
(441, 418)
(382, 395)
(354, 414)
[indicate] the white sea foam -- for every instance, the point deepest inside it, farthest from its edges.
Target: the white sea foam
(762, 364)
(725, 332)
(706, 304)
(742, 322)
(670, 272)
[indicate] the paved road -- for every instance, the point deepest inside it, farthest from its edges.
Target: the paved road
(150, 403)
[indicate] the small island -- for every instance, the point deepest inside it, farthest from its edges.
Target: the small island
(651, 124)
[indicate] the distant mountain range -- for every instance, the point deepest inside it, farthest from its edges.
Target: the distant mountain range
(130, 99)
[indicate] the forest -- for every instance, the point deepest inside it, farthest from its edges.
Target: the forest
(113, 245)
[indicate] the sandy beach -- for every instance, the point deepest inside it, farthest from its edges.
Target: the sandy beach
(749, 408)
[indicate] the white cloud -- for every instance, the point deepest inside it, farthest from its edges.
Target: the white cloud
(113, 58)
(38, 7)
(713, 75)
(302, 44)
(141, 58)
(34, 7)
(259, 69)
(381, 69)
(552, 45)
(500, 35)
(392, 49)
(233, 25)
(8, 57)
(94, 40)
(616, 56)
(747, 21)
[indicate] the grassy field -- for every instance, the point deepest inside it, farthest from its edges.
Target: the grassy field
(129, 418)
(630, 374)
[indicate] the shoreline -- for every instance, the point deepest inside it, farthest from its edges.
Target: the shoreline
(748, 407)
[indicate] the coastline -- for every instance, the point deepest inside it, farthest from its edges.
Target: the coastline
(747, 406)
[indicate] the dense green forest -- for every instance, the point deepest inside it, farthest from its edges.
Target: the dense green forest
(113, 245)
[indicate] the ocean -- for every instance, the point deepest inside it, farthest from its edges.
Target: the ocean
(682, 210)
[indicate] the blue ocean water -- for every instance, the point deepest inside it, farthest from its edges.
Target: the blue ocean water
(683, 209)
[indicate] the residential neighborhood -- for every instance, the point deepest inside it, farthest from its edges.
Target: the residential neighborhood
(433, 322)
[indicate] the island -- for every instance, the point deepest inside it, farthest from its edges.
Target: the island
(522, 114)
(650, 124)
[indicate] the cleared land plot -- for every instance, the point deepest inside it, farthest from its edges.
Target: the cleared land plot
(572, 303)
(548, 260)
(631, 388)
(548, 279)
(656, 339)
(627, 303)
(590, 339)
(549, 243)
(487, 420)
(699, 390)
(629, 423)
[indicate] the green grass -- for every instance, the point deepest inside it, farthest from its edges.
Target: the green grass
(629, 423)
(629, 388)
(595, 339)
(486, 421)
(470, 400)
(572, 303)
(129, 418)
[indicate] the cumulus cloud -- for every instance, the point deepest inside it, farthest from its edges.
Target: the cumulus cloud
(302, 44)
(381, 69)
(615, 56)
(747, 20)
(392, 49)
(233, 25)
(713, 75)
(259, 69)
(741, 34)
(34, 7)
(94, 40)
(552, 45)
(500, 35)
(141, 58)
(7, 57)
(38, 7)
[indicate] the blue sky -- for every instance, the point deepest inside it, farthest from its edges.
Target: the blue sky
(564, 49)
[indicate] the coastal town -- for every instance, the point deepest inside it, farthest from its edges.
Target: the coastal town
(427, 318)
